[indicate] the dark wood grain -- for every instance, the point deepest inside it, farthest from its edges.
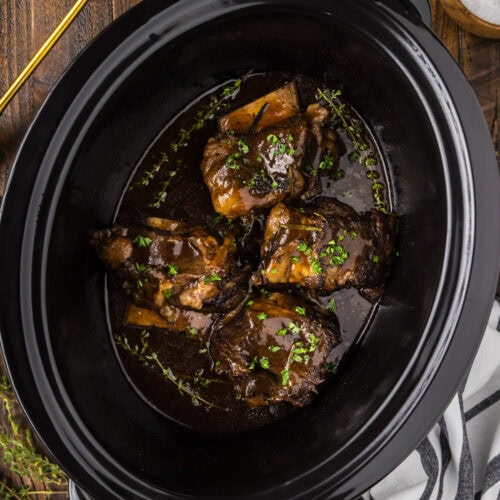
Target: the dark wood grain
(24, 25)
(480, 61)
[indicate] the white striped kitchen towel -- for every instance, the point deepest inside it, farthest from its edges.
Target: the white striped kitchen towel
(460, 458)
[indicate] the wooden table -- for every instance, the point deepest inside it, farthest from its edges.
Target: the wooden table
(24, 25)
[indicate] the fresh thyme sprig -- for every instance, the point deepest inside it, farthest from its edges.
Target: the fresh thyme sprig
(293, 355)
(362, 153)
(145, 355)
(161, 194)
(149, 175)
(352, 126)
(24, 493)
(20, 455)
(215, 106)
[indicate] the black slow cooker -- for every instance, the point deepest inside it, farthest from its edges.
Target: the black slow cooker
(69, 177)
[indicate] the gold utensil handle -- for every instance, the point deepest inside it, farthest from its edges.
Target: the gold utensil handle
(41, 53)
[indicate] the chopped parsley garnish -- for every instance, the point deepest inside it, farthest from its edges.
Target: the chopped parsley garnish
(298, 351)
(327, 162)
(263, 362)
(300, 310)
(243, 147)
(143, 268)
(332, 306)
(313, 342)
(273, 139)
(142, 241)
(294, 328)
(302, 247)
(344, 234)
(294, 259)
(253, 181)
(211, 279)
(280, 146)
(172, 269)
(259, 177)
(262, 316)
(282, 332)
(338, 253)
(192, 330)
(250, 302)
(315, 265)
(375, 259)
(274, 348)
(232, 159)
(167, 293)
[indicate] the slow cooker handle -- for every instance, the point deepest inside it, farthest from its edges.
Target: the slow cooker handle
(421, 8)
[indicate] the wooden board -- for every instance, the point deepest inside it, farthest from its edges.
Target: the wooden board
(25, 25)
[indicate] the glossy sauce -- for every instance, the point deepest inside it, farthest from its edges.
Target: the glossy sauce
(188, 200)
